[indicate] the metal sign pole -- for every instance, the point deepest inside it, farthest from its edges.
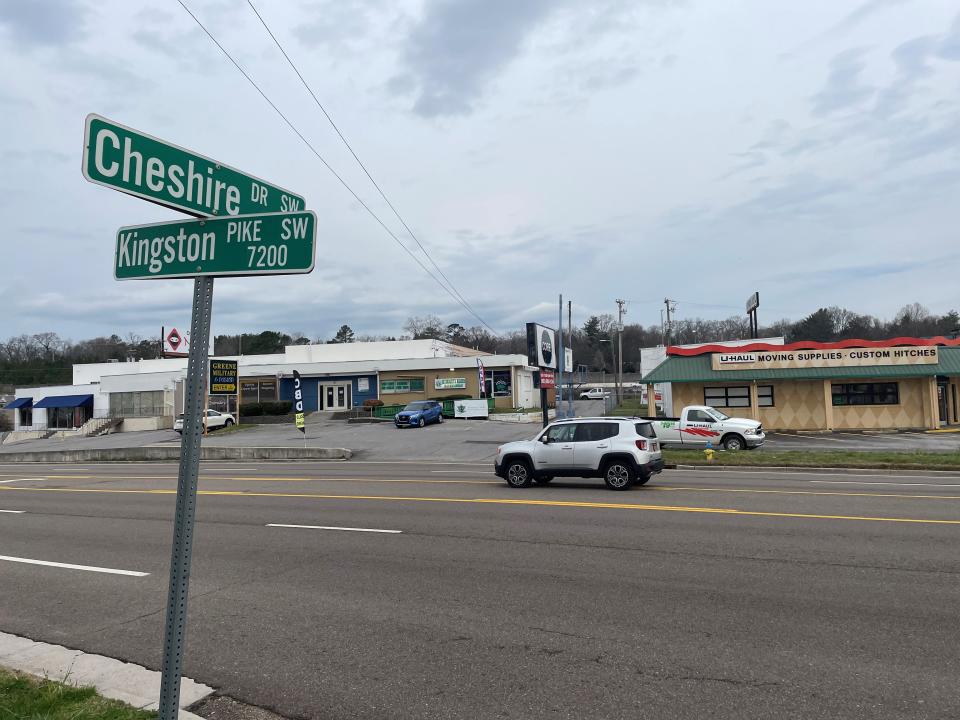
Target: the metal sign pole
(174, 636)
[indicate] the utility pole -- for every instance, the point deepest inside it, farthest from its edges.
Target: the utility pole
(569, 345)
(620, 314)
(668, 330)
(561, 358)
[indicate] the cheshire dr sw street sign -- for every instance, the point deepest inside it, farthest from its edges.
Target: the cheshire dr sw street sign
(268, 244)
(138, 164)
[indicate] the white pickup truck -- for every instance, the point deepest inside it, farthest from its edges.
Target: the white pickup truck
(700, 424)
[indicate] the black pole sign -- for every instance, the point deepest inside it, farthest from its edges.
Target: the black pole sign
(298, 402)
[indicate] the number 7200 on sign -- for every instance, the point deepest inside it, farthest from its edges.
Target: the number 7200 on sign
(264, 244)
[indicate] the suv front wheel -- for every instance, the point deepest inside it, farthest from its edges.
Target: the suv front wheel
(518, 474)
(619, 475)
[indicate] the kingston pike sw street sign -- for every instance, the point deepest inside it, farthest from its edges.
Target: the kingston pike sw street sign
(138, 164)
(268, 244)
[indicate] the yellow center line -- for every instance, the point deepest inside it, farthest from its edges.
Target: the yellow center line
(656, 488)
(501, 501)
(264, 479)
(764, 491)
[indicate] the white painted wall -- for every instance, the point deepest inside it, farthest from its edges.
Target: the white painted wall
(379, 350)
(101, 402)
(525, 394)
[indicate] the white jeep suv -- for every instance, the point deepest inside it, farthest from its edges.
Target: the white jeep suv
(623, 451)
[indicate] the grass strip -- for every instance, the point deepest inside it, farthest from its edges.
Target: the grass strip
(24, 697)
(825, 458)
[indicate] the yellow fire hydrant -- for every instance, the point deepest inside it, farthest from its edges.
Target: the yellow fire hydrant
(709, 451)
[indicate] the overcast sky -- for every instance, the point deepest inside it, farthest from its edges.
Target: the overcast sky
(600, 148)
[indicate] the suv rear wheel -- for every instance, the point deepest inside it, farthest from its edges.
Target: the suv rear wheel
(518, 474)
(619, 475)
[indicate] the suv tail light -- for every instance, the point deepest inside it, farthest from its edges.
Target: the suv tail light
(641, 444)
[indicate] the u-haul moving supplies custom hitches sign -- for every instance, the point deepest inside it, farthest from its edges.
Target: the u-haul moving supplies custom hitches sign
(845, 357)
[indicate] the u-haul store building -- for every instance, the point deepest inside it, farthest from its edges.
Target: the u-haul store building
(903, 383)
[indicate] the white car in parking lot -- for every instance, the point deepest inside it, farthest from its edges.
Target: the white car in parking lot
(214, 420)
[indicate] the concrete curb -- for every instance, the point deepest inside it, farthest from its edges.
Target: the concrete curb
(173, 453)
(820, 470)
(114, 679)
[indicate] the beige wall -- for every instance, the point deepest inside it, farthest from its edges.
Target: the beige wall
(804, 405)
(472, 389)
(912, 412)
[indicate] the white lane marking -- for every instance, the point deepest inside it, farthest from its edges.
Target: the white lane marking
(324, 527)
(70, 566)
(3, 482)
(463, 472)
(865, 482)
(744, 472)
(13, 512)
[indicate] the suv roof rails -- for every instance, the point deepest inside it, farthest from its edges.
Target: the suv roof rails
(604, 417)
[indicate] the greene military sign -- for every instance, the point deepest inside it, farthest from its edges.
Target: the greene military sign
(223, 377)
(124, 159)
(270, 244)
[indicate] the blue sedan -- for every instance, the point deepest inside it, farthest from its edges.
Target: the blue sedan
(419, 413)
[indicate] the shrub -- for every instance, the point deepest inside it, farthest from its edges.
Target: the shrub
(372, 403)
(282, 407)
(6, 422)
(251, 409)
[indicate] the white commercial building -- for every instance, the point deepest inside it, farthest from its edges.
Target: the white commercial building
(148, 394)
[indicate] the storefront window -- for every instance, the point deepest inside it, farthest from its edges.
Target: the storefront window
(68, 418)
(498, 383)
(26, 417)
(727, 396)
(402, 385)
(866, 394)
(765, 395)
(137, 404)
(737, 396)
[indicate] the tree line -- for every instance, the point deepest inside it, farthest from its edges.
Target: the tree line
(47, 359)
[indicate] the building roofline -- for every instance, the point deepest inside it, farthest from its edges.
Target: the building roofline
(709, 349)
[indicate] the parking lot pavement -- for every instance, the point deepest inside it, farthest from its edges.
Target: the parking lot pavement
(887, 442)
(451, 440)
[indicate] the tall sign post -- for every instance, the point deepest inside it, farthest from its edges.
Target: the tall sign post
(542, 354)
(753, 302)
(138, 164)
(561, 357)
(298, 406)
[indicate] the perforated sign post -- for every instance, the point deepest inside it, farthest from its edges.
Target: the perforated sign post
(138, 164)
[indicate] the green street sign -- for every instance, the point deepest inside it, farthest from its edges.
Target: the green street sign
(268, 244)
(133, 162)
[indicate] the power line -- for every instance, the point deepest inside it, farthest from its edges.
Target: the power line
(355, 156)
(332, 171)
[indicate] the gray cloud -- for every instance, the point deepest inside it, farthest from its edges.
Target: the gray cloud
(459, 46)
(949, 48)
(862, 13)
(843, 88)
(49, 23)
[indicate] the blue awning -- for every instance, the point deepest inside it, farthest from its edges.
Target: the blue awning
(65, 401)
(19, 403)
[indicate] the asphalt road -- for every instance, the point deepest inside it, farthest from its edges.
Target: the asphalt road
(725, 595)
